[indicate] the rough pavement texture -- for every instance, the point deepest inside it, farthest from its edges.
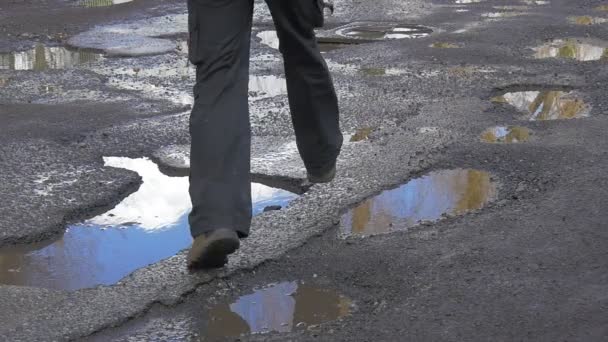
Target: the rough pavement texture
(531, 266)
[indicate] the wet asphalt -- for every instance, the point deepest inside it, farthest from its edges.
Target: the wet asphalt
(529, 265)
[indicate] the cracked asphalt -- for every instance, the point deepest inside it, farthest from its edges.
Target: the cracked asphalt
(530, 265)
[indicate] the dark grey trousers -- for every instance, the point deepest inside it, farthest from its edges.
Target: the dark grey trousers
(220, 33)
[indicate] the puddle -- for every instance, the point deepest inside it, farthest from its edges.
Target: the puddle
(149, 225)
(102, 3)
(367, 31)
(283, 307)
(122, 44)
(429, 198)
(444, 45)
(546, 104)
(506, 134)
(261, 87)
(502, 14)
(536, 2)
(42, 58)
(587, 20)
(361, 134)
(571, 49)
(270, 39)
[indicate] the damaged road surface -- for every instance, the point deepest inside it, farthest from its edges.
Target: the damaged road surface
(470, 200)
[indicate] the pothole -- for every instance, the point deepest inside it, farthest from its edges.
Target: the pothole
(506, 134)
(468, 1)
(571, 49)
(494, 15)
(102, 3)
(147, 226)
(540, 105)
(122, 44)
(281, 307)
(429, 198)
(361, 134)
(603, 8)
(369, 31)
(587, 20)
(270, 39)
(42, 58)
(444, 45)
(536, 2)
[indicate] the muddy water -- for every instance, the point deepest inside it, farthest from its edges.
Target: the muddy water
(546, 104)
(503, 134)
(587, 20)
(571, 49)
(42, 58)
(102, 3)
(361, 134)
(278, 308)
(429, 198)
(146, 227)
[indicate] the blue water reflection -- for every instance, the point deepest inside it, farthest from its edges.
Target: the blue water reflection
(141, 230)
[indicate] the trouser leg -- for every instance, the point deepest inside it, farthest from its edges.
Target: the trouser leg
(312, 98)
(220, 188)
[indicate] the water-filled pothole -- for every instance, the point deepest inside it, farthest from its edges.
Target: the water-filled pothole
(429, 198)
(546, 104)
(577, 49)
(587, 20)
(270, 39)
(506, 134)
(102, 3)
(147, 226)
(42, 58)
(369, 31)
(361, 134)
(494, 15)
(122, 44)
(282, 307)
(444, 45)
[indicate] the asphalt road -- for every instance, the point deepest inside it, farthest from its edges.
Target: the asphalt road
(528, 263)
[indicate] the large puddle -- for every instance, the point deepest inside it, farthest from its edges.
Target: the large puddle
(146, 227)
(281, 307)
(571, 49)
(546, 104)
(368, 31)
(506, 134)
(429, 198)
(122, 44)
(42, 58)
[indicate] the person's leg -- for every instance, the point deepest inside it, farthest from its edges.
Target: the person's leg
(220, 189)
(312, 98)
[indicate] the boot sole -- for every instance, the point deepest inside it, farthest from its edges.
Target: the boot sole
(214, 251)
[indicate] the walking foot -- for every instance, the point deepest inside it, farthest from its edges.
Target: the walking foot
(211, 250)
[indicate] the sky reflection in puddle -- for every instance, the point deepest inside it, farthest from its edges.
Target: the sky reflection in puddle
(149, 225)
(503, 134)
(571, 49)
(447, 192)
(546, 104)
(42, 58)
(276, 308)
